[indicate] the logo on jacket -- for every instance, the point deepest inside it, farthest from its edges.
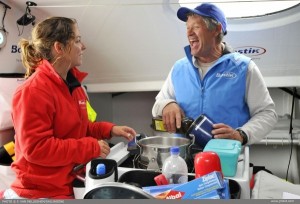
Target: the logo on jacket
(82, 104)
(228, 75)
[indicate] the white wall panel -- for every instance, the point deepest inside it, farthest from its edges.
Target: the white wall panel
(132, 44)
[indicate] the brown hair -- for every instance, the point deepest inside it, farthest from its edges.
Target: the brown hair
(43, 37)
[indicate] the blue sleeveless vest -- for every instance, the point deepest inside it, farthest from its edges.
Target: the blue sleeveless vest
(221, 93)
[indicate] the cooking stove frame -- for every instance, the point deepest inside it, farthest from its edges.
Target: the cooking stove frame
(120, 154)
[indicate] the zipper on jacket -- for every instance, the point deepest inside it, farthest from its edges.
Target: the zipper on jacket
(202, 97)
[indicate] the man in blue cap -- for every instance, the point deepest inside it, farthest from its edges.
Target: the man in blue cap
(212, 80)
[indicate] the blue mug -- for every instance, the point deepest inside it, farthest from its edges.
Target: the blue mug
(201, 130)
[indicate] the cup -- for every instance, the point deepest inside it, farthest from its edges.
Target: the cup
(206, 162)
(201, 129)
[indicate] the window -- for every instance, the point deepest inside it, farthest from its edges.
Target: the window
(245, 8)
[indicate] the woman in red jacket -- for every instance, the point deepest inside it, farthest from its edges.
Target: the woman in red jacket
(53, 130)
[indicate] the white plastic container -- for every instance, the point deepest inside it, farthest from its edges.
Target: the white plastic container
(96, 174)
(175, 168)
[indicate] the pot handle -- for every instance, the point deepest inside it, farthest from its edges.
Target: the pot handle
(137, 138)
(193, 139)
(192, 143)
(140, 136)
(133, 147)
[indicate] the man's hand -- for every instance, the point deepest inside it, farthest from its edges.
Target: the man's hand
(223, 131)
(172, 115)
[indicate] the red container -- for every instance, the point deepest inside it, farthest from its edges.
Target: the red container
(161, 180)
(206, 162)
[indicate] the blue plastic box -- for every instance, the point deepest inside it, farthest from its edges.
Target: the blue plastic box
(228, 152)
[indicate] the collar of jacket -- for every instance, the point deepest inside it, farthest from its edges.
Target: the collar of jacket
(188, 54)
(46, 67)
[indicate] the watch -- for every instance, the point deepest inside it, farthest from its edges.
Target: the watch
(244, 136)
(2, 38)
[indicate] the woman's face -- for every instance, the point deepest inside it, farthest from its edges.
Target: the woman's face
(76, 49)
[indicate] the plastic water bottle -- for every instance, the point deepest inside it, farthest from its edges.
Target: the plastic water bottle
(175, 168)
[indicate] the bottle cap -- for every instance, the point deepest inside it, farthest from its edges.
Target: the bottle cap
(161, 180)
(100, 169)
(174, 150)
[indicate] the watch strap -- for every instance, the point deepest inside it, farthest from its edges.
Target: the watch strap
(244, 136)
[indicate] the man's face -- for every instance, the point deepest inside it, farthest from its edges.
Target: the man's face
(200, 38)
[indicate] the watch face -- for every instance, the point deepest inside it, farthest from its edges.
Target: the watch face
(2, 38)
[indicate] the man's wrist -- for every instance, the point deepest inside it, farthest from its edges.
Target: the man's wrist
(243, 135)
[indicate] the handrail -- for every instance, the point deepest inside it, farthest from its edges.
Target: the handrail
(282, 141)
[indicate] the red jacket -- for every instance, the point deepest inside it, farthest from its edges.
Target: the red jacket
(53, 134)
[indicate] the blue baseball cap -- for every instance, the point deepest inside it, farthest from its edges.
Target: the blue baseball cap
(205, 9)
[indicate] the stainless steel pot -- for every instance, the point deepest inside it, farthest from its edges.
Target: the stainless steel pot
(153, 150)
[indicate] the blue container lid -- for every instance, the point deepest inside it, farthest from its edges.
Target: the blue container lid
(100, 169)
(226, 145)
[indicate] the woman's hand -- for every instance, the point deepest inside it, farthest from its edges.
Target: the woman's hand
(104, 148)
(123, 131)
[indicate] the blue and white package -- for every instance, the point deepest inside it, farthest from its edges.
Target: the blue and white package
(199, 188)
(215, 194)
(155, 190)
(222, 193)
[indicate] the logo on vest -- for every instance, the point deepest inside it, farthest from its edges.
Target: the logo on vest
(228, 75)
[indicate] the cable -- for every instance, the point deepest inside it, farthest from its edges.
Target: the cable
(27, 18)
(22, 23)
(3, 17)
(291, 132)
